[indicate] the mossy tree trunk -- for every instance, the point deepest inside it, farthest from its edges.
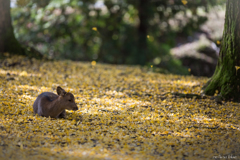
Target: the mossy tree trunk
(226, 78)
(8, 42)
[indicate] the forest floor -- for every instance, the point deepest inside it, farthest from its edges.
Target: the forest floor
(125, 112)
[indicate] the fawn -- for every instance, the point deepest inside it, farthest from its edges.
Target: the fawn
(49, 104)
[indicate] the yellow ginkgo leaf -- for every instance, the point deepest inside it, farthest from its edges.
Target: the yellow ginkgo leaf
(184, 2)
(93, 63)
(237, 68)
(23, 73)
(94, 28)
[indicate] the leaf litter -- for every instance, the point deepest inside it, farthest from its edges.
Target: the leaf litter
(125, 112)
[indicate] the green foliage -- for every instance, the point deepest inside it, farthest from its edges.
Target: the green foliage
(112, 33)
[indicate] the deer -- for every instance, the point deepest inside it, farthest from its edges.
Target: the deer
(53, 105)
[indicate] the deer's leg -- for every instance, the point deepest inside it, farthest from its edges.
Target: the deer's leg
(62, 115)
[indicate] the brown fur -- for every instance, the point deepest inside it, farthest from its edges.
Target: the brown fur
(49, 104)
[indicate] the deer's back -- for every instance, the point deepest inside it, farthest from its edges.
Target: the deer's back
(43, 101)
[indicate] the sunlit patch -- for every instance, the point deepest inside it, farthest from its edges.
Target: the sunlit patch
(28, 87)
(187, 83)
(27, 97)
(13, 73)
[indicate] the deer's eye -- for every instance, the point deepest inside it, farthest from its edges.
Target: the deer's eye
(70, 100)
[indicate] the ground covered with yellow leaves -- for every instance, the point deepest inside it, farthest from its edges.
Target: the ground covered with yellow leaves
(125, 112)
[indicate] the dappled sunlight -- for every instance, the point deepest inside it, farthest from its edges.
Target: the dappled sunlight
(18, 73)
(27, 87)
(186, 83)
(119, 115)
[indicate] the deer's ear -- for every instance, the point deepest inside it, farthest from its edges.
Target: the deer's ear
(60, 91)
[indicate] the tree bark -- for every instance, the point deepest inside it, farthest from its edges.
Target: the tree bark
(143, 14)
(226, 78)
(8, 42)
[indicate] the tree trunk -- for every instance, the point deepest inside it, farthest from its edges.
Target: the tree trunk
(8, 42)
(143, 13)
(226, 78)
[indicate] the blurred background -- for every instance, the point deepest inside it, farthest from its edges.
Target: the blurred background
(168, 36)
